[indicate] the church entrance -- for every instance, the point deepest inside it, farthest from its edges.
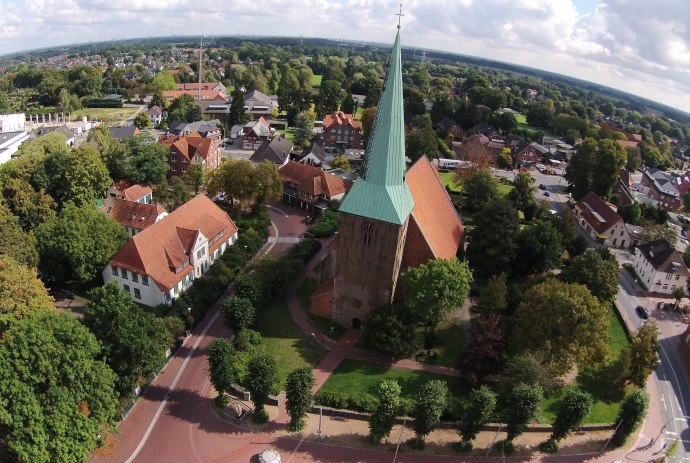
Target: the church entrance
(356, 323)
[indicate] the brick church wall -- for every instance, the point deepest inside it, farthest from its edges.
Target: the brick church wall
(417, 251)
(366, 273)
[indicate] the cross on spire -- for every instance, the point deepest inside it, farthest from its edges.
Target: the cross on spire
(399, 15)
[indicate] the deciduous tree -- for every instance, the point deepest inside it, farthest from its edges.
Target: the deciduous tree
(330, 95)
(631, 415)
(340, 162)
(492, 246)
(57, 393)
(479, 411)
(483, 355)
(268, 182)
(522, 195)
(597, 273)
(15, 242)
(479, 190)
(220, 353)
(564, 321)
(574, 408)
(237, 115)
(262, 380)
(522, 406)
(298, 386)
(539, 248)
(184, 108)
(22, 294)
(147, 161)
(239, 313)
(142, 121)
(86, 177)
(493, 296)
(429, 407)
(644, 357)
(381, 421)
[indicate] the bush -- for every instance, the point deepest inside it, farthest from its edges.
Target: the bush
(357, 402)
(101, 103)
(304, 250)
(260, 416)
(246, 340)
(327, 226)
(387, 332)
(550, 446)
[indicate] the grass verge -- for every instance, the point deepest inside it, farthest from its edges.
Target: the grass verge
(105, 114)
(284, 341)
(316, 80)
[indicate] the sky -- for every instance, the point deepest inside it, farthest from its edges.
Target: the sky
(639, 46)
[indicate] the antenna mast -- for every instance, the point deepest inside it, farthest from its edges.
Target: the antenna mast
(201, 51)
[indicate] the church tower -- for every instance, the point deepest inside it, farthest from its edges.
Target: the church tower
(374, 214)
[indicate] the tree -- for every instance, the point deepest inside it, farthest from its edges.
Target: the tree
(522, 195)
(134, 341)
(237, 115)
(579, 169)
(413, 101)
(340, 162)
(483, 355)
(163, 81)
(247, 286)
(442, 107)
(142, 121)
(261, 381)
(234, 177)
(429, 407)
(390, 330)
(239, 313)
(147, 161)
(184, 108)
(15, 243)
(422, 142)
(368, 116)
(433, 289)
(22, 294)
(493, 296)
(31, 207)
(505, 122)
(195, 177)
(522, 406)
(479, 411)
(643, 353)
(598, 274)
(467, 115)
(298, 386)
(609, 160)
(632, 413)
(57, 393)
(78, 244)
(564, 321)
(678, 294)
(219, 362)
(479, 190)
(492, 246)
(329, 97)
(382, 419)
(275, 273)
(86, 177)
(539, 114)
(303, 127)
(268, 182)
(530, 368)
(539, 248)
(574, 408)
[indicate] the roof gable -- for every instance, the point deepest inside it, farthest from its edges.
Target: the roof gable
(664, 257)
(597, 212)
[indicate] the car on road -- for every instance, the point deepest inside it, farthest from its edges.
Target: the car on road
(642, 312)
(546, 193)
(542, 186)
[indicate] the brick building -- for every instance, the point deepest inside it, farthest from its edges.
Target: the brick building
(390, 219)
(185, 150)
(341, 131)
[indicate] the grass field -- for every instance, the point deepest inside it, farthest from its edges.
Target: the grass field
(358, 113)
(284, 341)
(450, 341)
(356, 377)
(104, 114)
(289, 134)
(607, 399)
(521, 119)
(316, 80)
(324, 325)
(448, 179)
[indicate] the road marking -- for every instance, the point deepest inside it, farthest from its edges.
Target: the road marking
(278, 211)
(663, 401)
(681, 406)
(170, 389)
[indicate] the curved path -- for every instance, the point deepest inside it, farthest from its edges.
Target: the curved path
(176, 417)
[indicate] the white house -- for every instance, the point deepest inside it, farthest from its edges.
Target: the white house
(132, 215)
(9, 144)
(660, 267)
(598, 220)
(162, 261)
(12, 122)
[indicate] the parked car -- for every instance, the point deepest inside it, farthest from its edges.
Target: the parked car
(642, 312)
(546, 193)
(542, 187)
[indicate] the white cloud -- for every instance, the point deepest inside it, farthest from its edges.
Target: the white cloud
(635, 45)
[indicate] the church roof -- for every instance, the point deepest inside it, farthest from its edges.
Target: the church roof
(382, 193)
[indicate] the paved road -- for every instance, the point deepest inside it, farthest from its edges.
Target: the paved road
(672, 374)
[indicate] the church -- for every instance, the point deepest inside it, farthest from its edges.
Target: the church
(392, 218)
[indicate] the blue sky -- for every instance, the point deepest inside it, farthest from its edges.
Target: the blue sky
(639, 46)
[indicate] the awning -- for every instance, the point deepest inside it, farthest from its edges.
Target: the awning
(323, 205)
(603, 237)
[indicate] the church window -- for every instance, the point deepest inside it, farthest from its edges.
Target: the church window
(368, 229)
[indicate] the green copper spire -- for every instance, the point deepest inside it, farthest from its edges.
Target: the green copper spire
(381, 192)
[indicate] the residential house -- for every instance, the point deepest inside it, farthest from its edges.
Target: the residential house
(194, 86)
(600, 222)
(206, 95)
(206, 129)
(12, 122)
(9, 144)
(660, 267)
(258, 104)
(315, 155)
(132, 215)
(309, 187)
(276, 150)
(131, 192)
(63, 129)
(120, 133)
(185, 150)
(255, 133)
(665, 189)
(342, 131)
(450, 127)
(158, 264)
(524, 154)
(156, 114)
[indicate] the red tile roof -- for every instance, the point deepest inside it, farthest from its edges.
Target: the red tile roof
(195, 85)
(189, 145)
(597, 212)
(131, 213)
(131, 192)
(434, 212)
(340, 118)
(212, 95)
(161, 248)
(313, 180)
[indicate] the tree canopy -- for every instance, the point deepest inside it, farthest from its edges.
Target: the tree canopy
(298, 398)
(479, 190)
(492, 246)
(565, 322)
(598, 273)
(21, 293)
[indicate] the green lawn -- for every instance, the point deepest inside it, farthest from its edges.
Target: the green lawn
(105, 114)
(356, 377)
(284, 341)
(450, 341)
(607, 399)
(332, 329)
(521, 119)
(289, 134)
(448, 179)
(358, 113)
(316, 80)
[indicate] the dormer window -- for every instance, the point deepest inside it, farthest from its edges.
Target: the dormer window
(182, 266)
